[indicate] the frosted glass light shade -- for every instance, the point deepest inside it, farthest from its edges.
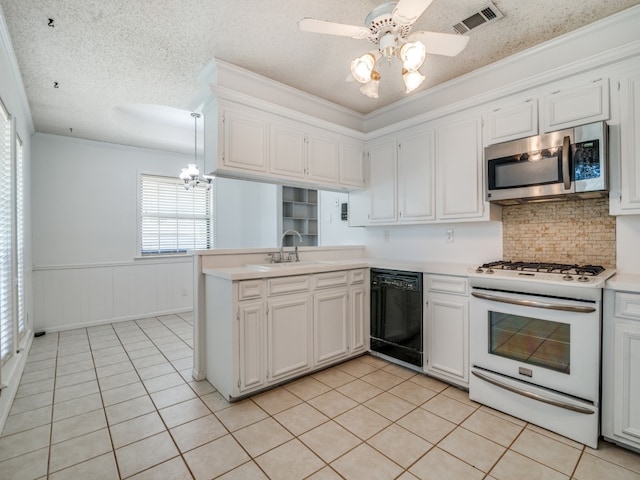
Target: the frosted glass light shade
(412, 55)
(412, 80)
(362, 67)
(370, 89)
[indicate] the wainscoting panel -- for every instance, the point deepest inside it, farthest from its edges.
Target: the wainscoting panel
(73, 296)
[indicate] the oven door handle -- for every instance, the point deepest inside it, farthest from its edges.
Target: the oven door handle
(531, 303)
(534, 396)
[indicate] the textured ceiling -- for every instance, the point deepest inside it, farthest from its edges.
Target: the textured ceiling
(126, 70)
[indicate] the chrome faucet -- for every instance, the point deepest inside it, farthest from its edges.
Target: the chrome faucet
(294, 244)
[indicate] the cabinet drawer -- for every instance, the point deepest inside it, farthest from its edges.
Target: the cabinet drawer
(356, 276)
(330, 279)
(281, 285)
(627, 305)
(248, 289)
(447, 284)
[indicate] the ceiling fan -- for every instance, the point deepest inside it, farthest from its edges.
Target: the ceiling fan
(388, 26)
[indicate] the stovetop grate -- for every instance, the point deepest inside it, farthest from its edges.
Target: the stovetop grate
(545, 267)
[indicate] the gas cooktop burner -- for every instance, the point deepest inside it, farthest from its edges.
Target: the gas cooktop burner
(559, 268)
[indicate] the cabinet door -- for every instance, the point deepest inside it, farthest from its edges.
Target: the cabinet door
(251, 345)
(357, 318)
(512, 121)
(352, 165)
(574, 105)
(626, 390)
(459, 167)
(288, 335)
(630, 144)
(323, 153)
(330, 315)
(416, 178)
(447, 326)
(287, 151)
(245, 141)
(382, 182)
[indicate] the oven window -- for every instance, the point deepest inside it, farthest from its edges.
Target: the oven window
(537, 342)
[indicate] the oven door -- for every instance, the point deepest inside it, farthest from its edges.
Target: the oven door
(550, 342)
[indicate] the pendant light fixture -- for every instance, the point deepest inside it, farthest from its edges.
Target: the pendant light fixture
(191, 175)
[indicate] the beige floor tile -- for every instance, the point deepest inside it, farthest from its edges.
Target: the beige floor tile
(399, 371)
(262, 436)
(35, 387)
(374, 361)
(448, 408)
(74, 357)
(124, 393)
(512, 465)
(545, 450)
(400, 445)
(459, 395)
(595, 468)
(26, 467)
(27, 420)
(332, 403)
(366, 462)
(107, 351)
(201, 387)
(79, 449)
(183, 363)
(329, 441)
(114, 369)
(301, 418)
(276, 400)
(198, 432)
(307, 388)
(362, 422)
(426, 425)
(390, 406)
(327, 473)
(333, 377)
(118, 380)
(24, 442)
(184, 412)
(359, 391)
(77, 406)
(382, 379)
(429, 382)
(38, 375)
(247, 471)
(78, 425)
(555, 436)
(146, 453)
(98, 468)
(215, 401)
(614, 454)
(74, 379)
(32, 402)
(74, 367)
(163, 382)
(149, 360)
(494, 428)
(136, 350)
(240, 414)
(504, 416)
(407, 476)
(75, 391)
(356, 368)
(439, 465)
(291, 461)
(477, 451)
(136, 429)
(412, 392)
(174, 469)
(215, 458)
(173, 395)
(124, 411)
(154, 371)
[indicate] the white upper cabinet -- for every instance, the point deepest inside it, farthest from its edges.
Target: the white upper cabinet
(287, 151)
(323, 157)
(511, 121)
(382, 182)
(352, 170)
(575, 103)
(416, 177)
(244, 141)
(460, 169)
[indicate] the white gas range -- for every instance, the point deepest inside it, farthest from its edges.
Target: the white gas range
(535, 332)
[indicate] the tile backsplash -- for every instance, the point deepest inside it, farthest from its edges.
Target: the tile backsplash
(573, 231)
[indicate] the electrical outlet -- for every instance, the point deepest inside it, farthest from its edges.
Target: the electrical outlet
(184, 292)
(448, 235)
(385, 236)
(337, 203)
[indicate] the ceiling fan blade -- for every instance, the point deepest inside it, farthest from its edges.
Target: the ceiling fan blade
(441, 43)
(331, 28)
(408, 11)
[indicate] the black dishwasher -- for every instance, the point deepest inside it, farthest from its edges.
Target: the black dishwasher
(396, 315)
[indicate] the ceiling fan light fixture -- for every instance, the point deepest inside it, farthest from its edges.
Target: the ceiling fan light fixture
(370, 89)
(413, 55)
(412, 80)
(362, 67)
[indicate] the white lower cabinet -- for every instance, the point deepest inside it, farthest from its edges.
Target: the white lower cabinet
(261, 332)
(621, 368)
(446, 320)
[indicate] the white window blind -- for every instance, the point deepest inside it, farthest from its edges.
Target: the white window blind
(6, 290)
(172, 219)
(20, 237)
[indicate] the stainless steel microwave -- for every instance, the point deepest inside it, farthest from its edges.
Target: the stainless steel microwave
(563, 164)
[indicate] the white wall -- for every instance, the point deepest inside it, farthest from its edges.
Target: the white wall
(628, 244)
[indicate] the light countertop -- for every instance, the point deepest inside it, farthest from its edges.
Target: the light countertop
(628, 282)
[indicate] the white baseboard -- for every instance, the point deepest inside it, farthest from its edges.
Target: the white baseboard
(8, 394)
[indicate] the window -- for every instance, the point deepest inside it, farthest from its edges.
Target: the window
(172, 219)
(19, 241)
(6, 237)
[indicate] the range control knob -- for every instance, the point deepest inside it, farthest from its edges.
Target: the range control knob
(479, 270)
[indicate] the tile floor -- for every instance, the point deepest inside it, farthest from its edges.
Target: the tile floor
(117, 401)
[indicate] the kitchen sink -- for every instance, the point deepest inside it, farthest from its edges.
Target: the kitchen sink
(285, 265)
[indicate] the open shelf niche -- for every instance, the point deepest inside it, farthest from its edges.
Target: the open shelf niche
(300, 213)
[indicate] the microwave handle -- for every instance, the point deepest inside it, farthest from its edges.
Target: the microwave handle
(566, 174)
